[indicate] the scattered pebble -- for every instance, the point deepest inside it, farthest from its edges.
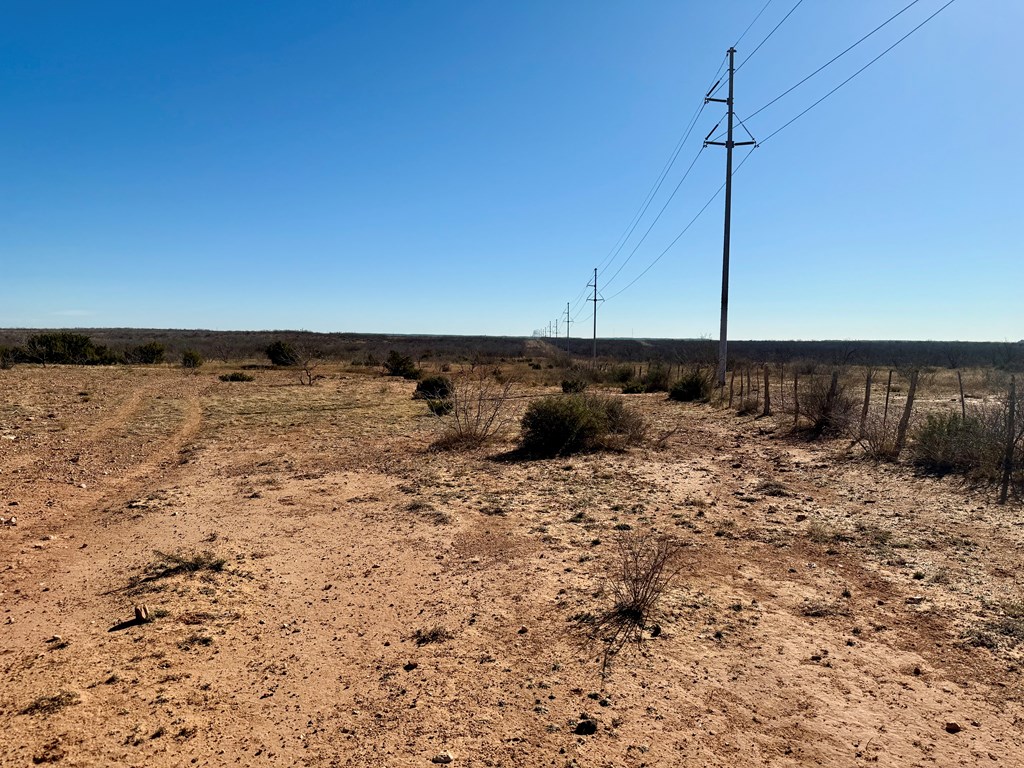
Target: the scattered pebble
(442, 759)
(952, 727)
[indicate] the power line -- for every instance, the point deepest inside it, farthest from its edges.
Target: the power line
(638, 217)
(740, 38)
(685, 230)
(851, 77)
(787, 124)
(765, 40)
(656, 218)
(836, 57)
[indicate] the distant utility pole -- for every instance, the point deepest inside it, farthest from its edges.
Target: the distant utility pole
(728, 144)
(567, 321)
(556, 327)
(595, 300)
(549, 329)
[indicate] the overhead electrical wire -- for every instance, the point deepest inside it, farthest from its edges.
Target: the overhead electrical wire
(635, 221)
(836, 57)
(766, 37)
(631, 228)
(796, 117)
(855, 74)
(751, 24)
(656, 218)
(685, 230)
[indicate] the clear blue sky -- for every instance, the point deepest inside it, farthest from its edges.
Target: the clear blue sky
(461, 167)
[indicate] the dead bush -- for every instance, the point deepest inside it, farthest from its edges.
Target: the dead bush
(643, 572)
(878, 438)
(828, 408)
(480, 408)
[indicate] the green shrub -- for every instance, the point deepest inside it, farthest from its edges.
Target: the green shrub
(66, 348)
(948, 443)
(573, 386)
(634, 387)
(657, 378)
(398, 364)
(694, 386)
(150, 353)
(433, 388)
(237, 376)
(559, 426)
(440, 406)
(190, 359)
(282, 354)
(620, 374)
(8, 357)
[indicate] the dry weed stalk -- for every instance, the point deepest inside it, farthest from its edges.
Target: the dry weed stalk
(645, 568)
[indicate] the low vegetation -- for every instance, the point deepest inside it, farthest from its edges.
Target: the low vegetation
(477, 409)
(559, 426)
(401, 365)
(694, 386)
(191, 360)
(643, 572)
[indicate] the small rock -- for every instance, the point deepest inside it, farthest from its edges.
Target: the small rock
(915, 600)
(801, 518)
(55, 639)
(523, 630)
(442, 759)
(142, 613)
(585, 728)
(410, 666)
(82, 485)
(656, 630)
(953, 727)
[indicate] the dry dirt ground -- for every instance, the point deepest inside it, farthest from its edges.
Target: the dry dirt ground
(827, 612)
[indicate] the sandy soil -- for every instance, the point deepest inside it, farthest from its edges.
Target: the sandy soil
(828, 611)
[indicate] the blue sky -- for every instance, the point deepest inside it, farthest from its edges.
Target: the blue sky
(461, 167)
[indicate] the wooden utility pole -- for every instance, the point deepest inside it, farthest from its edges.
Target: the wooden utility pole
(567, 321)
(595, 300)
(729, 144)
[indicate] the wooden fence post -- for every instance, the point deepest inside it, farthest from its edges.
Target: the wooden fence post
(901, 430)
(963, 405)
(888, 391)
(1011, 434)
(767, 395)
(867, 403)
(796, 397)
(732, 382)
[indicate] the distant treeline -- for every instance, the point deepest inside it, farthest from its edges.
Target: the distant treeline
(105, 346)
